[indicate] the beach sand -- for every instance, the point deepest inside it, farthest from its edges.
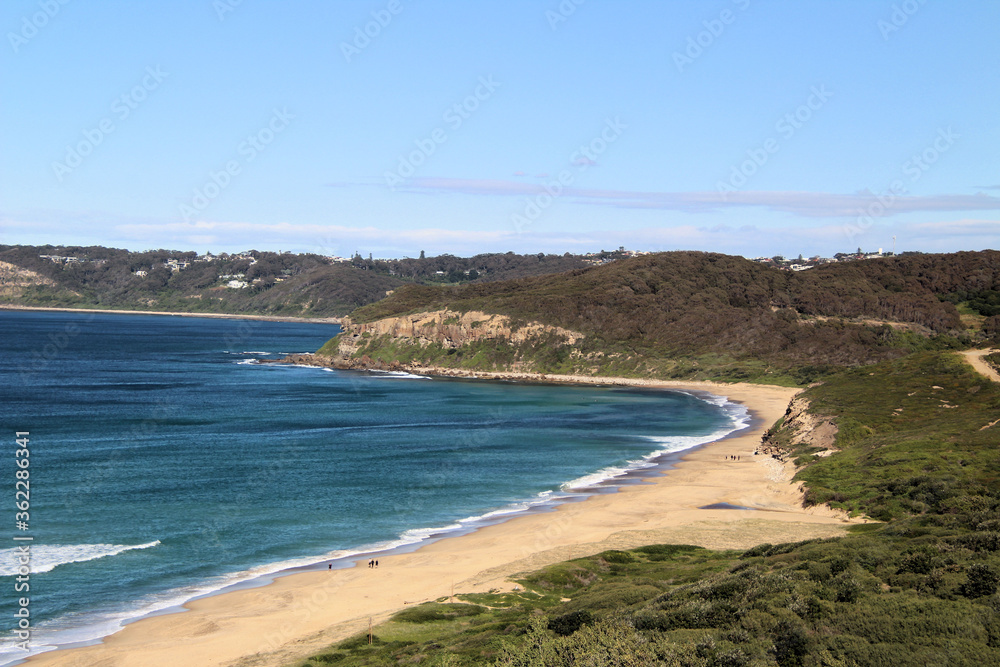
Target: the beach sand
(300, 614)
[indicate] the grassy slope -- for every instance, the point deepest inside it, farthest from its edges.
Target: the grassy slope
(919, 589)
(910, 435)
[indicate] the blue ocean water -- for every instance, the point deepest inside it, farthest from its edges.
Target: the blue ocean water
(166, 463)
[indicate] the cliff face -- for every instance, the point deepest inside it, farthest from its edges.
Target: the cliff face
(450, 329)
(13, 280)
(801, 427)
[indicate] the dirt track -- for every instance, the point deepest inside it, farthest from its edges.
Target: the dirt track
(975, 357)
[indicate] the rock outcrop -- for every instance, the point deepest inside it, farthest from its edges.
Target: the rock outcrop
(13, 280)
(450, 329)
(804, 428)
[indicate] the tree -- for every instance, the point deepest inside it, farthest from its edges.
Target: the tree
(982, 581)
(991, 327)
(422, 255)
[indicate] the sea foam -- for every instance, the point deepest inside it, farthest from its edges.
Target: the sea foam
(47, 557)
(91, 626)
(739, 418)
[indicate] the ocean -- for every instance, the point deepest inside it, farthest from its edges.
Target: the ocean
(166, 464)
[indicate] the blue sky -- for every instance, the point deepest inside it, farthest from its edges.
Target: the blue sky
(395, 126)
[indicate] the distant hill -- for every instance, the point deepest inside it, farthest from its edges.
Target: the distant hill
(303, 285)
(683, 314)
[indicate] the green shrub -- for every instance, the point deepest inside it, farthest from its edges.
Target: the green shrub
(358, 641)
(659, 552)
(433, 611)
(567, 624)
(791, 644)
(617, 556)
(982, 581)
(980, 541)
(757, 551)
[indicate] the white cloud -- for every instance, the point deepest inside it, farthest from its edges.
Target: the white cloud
(805, 204)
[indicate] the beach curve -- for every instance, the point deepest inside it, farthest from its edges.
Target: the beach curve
(296, 615)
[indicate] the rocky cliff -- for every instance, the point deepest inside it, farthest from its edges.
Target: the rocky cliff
(444, 330)
(800, 427)
(13, 280)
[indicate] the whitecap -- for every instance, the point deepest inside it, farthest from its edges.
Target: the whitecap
(401, 374)
(739, 419)
(47, 557)
(69, 629)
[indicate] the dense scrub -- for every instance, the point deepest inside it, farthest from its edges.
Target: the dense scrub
(709, 316)
(878, 596)
(640, 297)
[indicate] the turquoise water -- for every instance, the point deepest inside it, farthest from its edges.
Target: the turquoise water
(166, 463)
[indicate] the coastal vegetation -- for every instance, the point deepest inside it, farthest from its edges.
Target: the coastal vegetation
(916, 448)
(895, 426)
(269, 283)
(914, 443)
(696, 315)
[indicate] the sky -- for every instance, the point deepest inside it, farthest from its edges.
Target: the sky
(391, 127)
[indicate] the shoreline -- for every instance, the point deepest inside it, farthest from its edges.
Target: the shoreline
(225, 316)
(302, 612)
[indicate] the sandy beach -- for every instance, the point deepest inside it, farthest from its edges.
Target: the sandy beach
(299, 614)
(225, 316)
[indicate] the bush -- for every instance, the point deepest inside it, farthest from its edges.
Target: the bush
(432, 611)
(610, 596)
(982, 581)
(757, 551)
(991, 327)
(983, 541)
(617, 557)
(790, 644)
(567, 624)
(357, 642)
(658, 552)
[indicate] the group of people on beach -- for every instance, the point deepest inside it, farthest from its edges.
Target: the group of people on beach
(733, 457)
(371, 563)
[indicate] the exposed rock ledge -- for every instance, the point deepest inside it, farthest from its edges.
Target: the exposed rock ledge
(451, 329)
(806, 428)
(342, 363)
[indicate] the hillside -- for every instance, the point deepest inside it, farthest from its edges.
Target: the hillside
(682, 314)
(257, 283)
